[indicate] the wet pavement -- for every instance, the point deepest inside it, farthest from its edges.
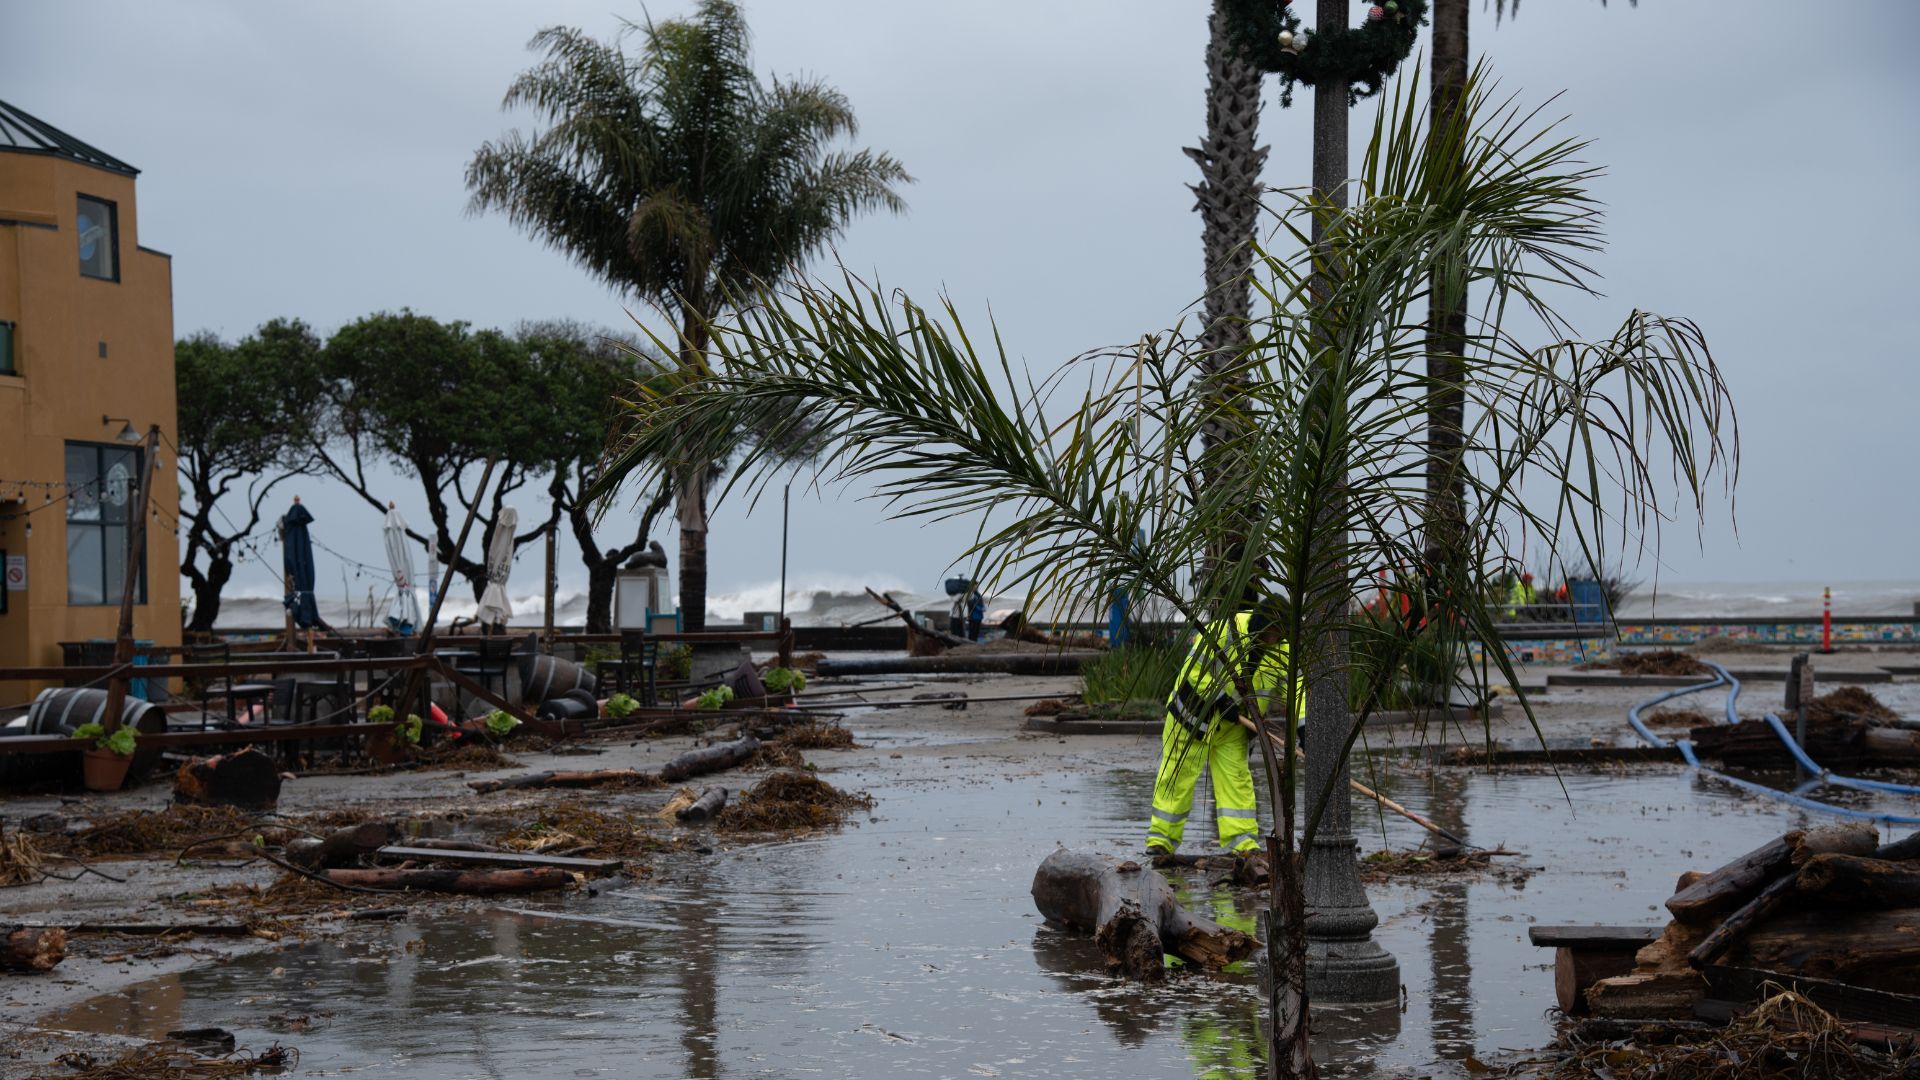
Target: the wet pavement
(907, 944)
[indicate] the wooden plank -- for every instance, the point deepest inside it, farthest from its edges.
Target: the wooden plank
(245, 664)
(1594, 937)
(500, 858)
(54, 744)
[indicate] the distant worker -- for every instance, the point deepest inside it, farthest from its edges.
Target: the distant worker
(1520, 596)
(976, 614)
(1203, 730)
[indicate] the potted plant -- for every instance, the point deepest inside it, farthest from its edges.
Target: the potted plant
(500, 723)
(104, 768)
(782, 684)
(619, 706)
(395, 741)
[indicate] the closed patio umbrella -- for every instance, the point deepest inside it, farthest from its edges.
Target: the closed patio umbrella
(296, 549)
(404, 616)
(495, 608)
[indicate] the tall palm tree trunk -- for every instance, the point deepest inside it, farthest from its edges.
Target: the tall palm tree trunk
(1228, 199)
(1446, 312)
(691, 507)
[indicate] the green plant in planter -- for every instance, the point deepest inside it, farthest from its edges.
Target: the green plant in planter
(675, 664)
(120, 742)
(785, 681)
(380, 714)
(410, 729)
(621, 705)
(500, 722)
(714, 698)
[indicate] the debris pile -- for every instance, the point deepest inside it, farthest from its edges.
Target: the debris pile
(1845, 727)
(168, 1061)
(573, 828)
(1826, 905)
(141, 832)
(788, 801)
(1658, 662)
(1785, 1036)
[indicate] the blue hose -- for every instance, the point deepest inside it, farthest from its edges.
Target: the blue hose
(1722, 677)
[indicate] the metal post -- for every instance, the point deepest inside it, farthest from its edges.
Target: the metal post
(129, 582)
(1344, 964)
(786, 506)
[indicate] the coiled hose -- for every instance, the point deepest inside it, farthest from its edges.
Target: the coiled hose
(1722, 677)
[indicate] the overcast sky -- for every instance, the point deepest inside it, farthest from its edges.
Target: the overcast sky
(306, 160)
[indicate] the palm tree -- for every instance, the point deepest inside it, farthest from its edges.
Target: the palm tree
(676, 176)
(1228, 199)
(1332, 448)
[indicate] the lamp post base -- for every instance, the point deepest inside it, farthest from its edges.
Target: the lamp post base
(1345, 966)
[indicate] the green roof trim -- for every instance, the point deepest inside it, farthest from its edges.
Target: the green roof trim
(24, 133)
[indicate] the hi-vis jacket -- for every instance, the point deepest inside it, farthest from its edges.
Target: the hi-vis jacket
(1204, 693)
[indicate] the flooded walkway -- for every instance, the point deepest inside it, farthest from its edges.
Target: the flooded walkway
(907, 944)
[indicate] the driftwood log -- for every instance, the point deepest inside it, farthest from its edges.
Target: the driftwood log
(29, 948)
(569, 779)
(342, 847)
(710, 759)
(1875, 949)
(1132, 914)
(1852, 881)
(705, 807)
(246, 780)
(1907, 847)
(1733, 885)
(1753, 744)
(465, 882)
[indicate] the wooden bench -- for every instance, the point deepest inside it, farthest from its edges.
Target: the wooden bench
(1583, 955)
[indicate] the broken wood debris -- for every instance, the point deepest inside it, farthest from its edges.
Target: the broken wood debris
(463, 882)
(705, 807)
(33, 948)
(568, 779)
(500, 858)
(1817, 903)
(245, 779)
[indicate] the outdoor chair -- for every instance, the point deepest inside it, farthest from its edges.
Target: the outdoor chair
(639, 658)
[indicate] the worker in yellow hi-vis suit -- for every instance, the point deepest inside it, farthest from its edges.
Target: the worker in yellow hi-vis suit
(1203, 730)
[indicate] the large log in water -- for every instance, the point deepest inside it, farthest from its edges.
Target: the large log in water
(1131, 913)
(29, 948)
(1733, 885)
(465, 882)
(711, 759)
(704, 808)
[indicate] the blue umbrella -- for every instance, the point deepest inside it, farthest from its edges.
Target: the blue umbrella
(297, 551)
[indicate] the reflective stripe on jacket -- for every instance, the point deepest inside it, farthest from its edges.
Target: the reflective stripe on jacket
(1205, 692)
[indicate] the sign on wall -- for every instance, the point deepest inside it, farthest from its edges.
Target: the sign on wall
(16, 573)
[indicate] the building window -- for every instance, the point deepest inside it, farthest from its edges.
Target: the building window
(6, 349)
(100, 503)
(99, 229)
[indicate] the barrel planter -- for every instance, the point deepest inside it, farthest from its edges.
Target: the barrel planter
(61, 710)
(544, 677)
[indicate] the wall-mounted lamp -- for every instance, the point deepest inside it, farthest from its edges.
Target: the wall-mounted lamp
(126, 433)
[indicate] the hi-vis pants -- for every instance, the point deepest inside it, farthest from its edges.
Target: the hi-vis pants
(1224, 753)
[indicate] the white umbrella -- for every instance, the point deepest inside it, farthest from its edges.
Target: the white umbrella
(404, 618)
(495, 608)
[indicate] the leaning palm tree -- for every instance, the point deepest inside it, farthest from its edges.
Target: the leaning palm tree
(1092, 475)
(676, 176)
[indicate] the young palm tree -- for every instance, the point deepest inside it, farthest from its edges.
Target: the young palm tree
(675, 175)
(1325, 479)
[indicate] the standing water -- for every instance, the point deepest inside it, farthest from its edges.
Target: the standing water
(907, 945)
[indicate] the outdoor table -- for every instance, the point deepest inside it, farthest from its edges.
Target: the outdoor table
(249, 693)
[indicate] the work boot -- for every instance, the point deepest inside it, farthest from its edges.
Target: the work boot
(1250, 868)
(1160, 857)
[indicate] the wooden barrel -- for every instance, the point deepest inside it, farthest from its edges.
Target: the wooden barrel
(568, 708)
(61, 710)
(544, 677)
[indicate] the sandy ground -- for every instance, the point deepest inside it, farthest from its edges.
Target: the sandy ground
(985, 742)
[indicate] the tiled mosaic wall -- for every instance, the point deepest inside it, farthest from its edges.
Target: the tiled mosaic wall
(1798, 632)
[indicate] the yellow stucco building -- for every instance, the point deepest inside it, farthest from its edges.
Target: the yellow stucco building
(86, 368)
